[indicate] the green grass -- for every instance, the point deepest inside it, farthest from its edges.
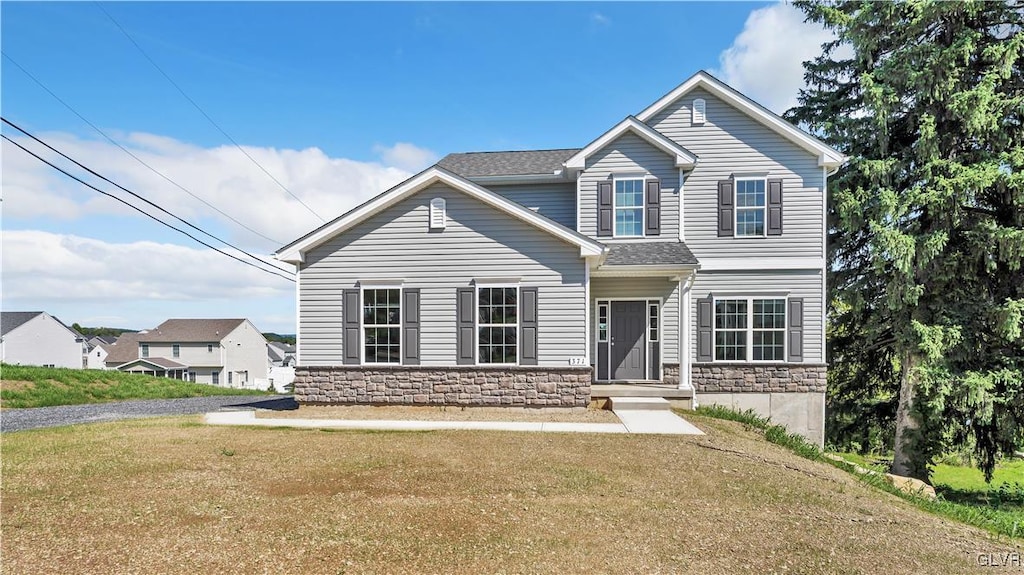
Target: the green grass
(1000, 510)
(28, 386)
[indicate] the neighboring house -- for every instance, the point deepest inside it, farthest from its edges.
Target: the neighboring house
(281, 354)
(38, 338)
(98, 349)
(225, 352)
(683, 246)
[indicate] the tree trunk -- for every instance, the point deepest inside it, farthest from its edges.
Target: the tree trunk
(906, 460)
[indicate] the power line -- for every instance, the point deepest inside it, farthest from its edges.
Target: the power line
(203, 112)
(136, 208)
(127, 151)
(109, 181)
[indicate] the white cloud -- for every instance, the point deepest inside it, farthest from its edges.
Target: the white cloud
(222, 176)
(765, 61)
(45, 267)
(406, 156)
(598, 19)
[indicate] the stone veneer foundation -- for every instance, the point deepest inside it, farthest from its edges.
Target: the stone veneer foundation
(421, 385)
(747, 378)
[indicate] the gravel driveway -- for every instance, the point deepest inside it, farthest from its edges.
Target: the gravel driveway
(36, 417)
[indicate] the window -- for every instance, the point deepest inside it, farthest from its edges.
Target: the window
(209, 348)
(144, 349)
(216, 378)
(229, 377)
(652, 322)
(750, 328)
(176, 350)
(382, 325)
(750, 207)
(192, 376)
(497, 324)
(602, 322)
(629, 207)
(437, 214)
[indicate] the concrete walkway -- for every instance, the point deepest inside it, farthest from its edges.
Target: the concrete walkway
(647, 422)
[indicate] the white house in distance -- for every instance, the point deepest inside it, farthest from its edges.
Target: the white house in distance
(96, 355)
(225, 352)
(38, 338)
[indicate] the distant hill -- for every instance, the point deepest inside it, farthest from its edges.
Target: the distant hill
(93, 331)
(281, 337)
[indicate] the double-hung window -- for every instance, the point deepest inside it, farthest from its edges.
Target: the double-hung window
(629, 207)
(144, 350)
(750, 329)
(750, 207)
(176, 350)
(497, 325)
(382, 325)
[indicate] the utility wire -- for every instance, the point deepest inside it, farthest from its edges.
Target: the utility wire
(127, 151)
(109, 181)
(136, 208)
(201, 111)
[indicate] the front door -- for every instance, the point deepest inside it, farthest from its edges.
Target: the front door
(627, 339)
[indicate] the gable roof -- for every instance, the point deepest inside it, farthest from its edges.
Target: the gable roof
(827, 155)
(520, 163)
(295, 251)
(190, 331)
(684, 158)
(125, 349)
(11, 320)
(650, 254)
(161, 362)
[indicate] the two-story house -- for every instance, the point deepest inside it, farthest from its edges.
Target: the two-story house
(225, 352)
(38, 338)
(683, 247)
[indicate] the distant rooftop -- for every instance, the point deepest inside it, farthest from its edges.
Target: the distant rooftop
(522, 163)
(191, 330)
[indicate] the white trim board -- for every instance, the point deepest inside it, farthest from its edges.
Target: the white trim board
(827, 156)
(757, 264)
(683, 157)
(295, 251)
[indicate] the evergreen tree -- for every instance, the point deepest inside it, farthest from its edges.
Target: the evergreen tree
(927, 219)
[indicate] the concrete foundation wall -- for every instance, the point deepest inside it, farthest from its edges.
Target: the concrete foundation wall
(802, 413)
(471, 385)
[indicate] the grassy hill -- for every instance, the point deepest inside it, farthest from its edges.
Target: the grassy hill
(29, 386)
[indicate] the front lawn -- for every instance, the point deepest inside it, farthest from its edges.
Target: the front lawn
(29, 386)
(173, 496)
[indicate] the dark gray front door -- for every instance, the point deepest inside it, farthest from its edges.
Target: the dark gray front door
(627, 350)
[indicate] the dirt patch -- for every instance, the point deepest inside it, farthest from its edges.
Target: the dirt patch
(230, 500)
(9, 385)
(438, 413)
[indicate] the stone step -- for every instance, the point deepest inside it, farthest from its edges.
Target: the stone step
(640, 403)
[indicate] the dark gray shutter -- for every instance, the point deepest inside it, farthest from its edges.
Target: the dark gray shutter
(350, 338)
(411, 326)
(528, 326)
(465, 334)
(774, 207)
(705, 329)
(604, 209)
(725, 208)
(795, 331)
(652, 203)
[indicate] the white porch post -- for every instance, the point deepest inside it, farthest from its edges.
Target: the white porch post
(685, 377)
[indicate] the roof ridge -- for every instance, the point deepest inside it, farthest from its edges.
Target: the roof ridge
(515, 151)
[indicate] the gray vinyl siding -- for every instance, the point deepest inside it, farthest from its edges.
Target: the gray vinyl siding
(731, 142)
(799, 283)
(630, 154)
(479, 242)
(556, 200)
(641, 288)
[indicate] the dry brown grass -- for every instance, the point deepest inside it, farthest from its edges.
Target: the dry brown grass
(438, 413)
(171, 496)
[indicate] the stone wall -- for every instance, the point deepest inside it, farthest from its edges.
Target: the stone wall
(469, 385)
(747, 378)
(670, 373)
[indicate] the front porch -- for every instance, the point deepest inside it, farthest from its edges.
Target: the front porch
(603, 394)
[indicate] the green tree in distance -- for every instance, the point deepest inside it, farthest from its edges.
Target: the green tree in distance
(927, 219)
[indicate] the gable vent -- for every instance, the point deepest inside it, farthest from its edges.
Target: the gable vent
(699, 112)
(437, 214)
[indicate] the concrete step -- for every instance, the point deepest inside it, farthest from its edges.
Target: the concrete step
(618, 390)
(640, 404)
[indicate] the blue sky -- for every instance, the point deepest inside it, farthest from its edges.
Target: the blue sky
(337, 100)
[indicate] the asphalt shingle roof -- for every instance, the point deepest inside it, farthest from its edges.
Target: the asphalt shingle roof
(9, 320)
(506, 163)
(650, 254)
(125, 349)
(160, 362)
(190, 330)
